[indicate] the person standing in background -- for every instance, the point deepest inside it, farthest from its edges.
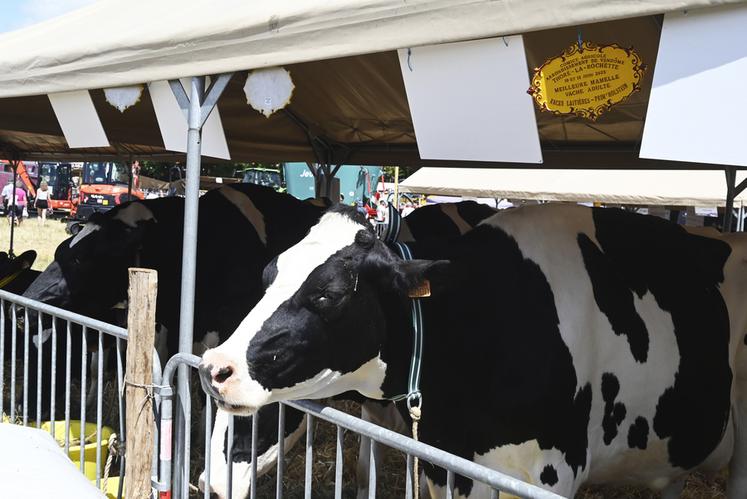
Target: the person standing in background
(6, 195)
(21, 201)
(41, 203)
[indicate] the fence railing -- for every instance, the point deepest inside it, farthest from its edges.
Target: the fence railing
(39, 344)
(454, 465)
(45, 341)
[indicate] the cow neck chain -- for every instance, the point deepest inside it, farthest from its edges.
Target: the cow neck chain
(413, 396)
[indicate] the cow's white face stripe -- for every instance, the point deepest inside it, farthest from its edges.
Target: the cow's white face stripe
(333, 233)
(330, 235)
(134, 213)
(87, 229)
(248, 209)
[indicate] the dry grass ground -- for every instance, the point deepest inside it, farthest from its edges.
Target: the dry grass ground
(32, 236)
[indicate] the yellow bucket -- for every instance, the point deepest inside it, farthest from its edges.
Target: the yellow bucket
(89, 451)
(111, 487)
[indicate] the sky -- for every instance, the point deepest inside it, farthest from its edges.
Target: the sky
(16, 14)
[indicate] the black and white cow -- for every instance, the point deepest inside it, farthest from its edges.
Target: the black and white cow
(563, 344)
(442, 221)
(437, 221)
(241, 228)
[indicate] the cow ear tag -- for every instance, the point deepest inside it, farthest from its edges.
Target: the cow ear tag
(421, 291)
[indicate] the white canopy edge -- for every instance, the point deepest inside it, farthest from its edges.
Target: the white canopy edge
(115, 43)
(627, 187)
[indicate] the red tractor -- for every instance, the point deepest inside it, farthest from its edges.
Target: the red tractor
(103, 186)
(59, 178)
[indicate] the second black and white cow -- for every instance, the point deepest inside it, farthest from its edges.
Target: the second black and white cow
(564, 345)
(241, 228)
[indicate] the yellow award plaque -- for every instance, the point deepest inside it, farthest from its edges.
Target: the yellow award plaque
(587, 80)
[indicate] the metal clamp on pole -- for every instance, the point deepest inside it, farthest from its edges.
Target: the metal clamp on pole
(166, 392)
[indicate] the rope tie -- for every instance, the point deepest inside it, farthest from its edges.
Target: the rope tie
(114, 451)
(415, 416)
(149, 395)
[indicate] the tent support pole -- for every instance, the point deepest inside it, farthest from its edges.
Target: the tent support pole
(12, 205)
(737, 191)
(731, 176)
(196, 107)
(324, 151)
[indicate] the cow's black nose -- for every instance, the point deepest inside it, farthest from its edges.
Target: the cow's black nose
(206, 380)
(223, 374)
(216, 373)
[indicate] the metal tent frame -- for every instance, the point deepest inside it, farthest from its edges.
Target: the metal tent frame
(196, 107)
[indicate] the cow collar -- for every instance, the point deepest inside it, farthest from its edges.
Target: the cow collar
(413, 396)
(391, 233)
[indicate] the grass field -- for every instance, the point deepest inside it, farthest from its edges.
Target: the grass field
(32, 236)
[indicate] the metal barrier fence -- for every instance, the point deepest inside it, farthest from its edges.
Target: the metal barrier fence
(454, 465)
(18, 316)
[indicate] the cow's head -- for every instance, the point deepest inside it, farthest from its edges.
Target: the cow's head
(322, 324)
(89, 271)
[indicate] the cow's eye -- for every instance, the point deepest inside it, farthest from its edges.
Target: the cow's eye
(325, 299)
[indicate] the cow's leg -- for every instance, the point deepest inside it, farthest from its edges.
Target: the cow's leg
(93, 376)
(361, 469)
(385, 415)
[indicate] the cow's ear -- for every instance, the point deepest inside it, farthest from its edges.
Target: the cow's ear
(421, 278)
(413, 278)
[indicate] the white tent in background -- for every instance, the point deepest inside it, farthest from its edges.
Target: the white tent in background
(627, 187)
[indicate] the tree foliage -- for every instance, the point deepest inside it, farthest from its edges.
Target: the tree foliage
(160, 169)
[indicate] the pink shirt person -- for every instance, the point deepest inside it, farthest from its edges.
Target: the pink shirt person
(20, 197)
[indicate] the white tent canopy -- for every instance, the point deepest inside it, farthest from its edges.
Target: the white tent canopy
(349, 104)
(628, 187)
(115, 42)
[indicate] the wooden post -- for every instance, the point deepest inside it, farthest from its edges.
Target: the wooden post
(141, 330)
